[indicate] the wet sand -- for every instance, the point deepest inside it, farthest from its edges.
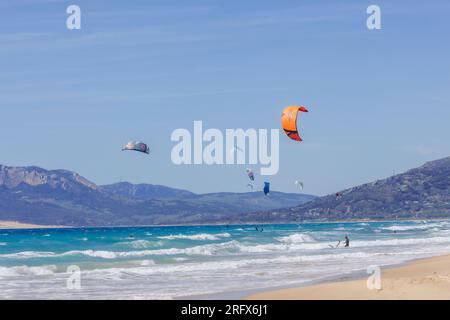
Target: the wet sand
(427, 279)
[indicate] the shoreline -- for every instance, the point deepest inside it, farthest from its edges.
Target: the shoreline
(249, 293)
(419, 279)
(245, 294)
(15, 225)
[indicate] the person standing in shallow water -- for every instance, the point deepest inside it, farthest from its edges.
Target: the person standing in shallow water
(347, 242)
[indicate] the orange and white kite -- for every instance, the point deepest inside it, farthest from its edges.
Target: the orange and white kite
(289, 121)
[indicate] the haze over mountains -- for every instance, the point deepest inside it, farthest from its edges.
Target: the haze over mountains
(60, 197)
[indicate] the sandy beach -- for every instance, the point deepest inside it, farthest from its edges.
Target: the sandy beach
(427, 279)
(19, 225)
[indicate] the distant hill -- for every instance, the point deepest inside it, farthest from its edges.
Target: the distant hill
(145, 191)
(60, 197)
(423, 192)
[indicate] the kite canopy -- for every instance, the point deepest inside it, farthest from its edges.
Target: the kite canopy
(136, 146)
(266, 188)
(250, 174)
(300, 184)
(289, 121)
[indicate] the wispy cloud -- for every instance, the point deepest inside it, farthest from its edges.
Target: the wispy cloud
(186, 11)
(295, 15)
(59, 41)
(8, 38)
(109, 98)
(18, 3)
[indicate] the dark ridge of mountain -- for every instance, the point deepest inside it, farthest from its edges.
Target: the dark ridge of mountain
(145, 191)
(255, 199)
(60, 197)
(422, 192)
(149, 192)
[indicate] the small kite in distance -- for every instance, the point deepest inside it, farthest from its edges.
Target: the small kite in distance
(300, 184)
(250, 174)
(136, 146)
(266, 188)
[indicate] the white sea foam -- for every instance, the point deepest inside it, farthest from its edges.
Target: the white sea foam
(291, 243)
(234, 264)
(28, 255)
(148, 267)
(200, 236)
(401, 242)
(296, 238)
(138, 244)
(179, 259)
(207, 250)
(141, 244)
(145, 263)
(91, 253)
(411, 227)
(27, 271)
(280, 247)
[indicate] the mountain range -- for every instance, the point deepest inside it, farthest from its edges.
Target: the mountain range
(419, 193)
(61, 197)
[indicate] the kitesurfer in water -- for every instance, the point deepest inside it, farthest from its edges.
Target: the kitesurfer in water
(347, 242)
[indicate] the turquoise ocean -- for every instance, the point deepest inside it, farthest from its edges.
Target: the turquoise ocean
(177, 262)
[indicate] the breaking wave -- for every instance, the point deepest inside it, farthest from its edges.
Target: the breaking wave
(412, 228)
(27, 271)
(296, 238)
(200, 236)
(291, 243)
(140, 244)
(207, 250)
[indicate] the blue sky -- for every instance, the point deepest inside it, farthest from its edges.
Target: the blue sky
(379, 100)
